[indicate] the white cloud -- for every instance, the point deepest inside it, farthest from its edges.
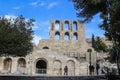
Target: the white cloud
(51, 5)
(44, 4)
(44, 23)
(16, 8)
(40, 25)
(36, 39)
(10, 16)
(37, 3)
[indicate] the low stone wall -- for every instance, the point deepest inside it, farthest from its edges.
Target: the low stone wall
(6, 77)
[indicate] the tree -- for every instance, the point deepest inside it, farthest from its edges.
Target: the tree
(93, 41)
(100, 46)
(15, 36)
(109, 11)
(88, 8)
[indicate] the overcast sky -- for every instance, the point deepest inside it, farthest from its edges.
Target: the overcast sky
(43, 11)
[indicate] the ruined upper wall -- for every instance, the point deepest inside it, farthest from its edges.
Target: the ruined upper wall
(66, 36)
(66, 30)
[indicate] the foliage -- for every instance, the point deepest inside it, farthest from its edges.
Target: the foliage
(15, 36)
(93, 41)
(109, 11)
(88, 8)
(98, 45)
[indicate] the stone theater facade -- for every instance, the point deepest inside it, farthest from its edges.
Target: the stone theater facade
(67, 46)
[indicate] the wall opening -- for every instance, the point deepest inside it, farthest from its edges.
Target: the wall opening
(57, 25)
(45, 47)
(74, 26)
(7, 65)
(66, 25)
(75, 36)
(71, 67)
(57, 36)
(66, 36)
(57, 67)
(21, 63)
(41, 67)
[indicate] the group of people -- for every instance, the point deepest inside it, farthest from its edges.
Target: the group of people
(91, 69)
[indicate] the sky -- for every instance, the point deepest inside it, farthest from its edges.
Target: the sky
(43, 11)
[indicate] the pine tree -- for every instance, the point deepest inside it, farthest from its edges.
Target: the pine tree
(16, 36)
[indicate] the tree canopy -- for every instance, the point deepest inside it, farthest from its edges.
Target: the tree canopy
(15, 36)
(109, 11)
(98, 45)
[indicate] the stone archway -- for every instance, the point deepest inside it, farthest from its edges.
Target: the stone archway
(41, 67)
(71, 67)
(21, 62)
(21, 66)
(57, 68)
(7, 65)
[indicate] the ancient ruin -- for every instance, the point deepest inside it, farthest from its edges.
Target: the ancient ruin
(66, 46)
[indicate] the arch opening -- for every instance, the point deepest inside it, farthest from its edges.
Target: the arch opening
(71, 67)
(74, 25)
(57, 36)
(67, 37)
(21, 63)
(75, 36)
(41, 67)
(45, 47)
(7, 64)
(57, 25)
(66, 25)
(57, 68)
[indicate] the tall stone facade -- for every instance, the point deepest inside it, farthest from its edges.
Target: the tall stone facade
(67, 46)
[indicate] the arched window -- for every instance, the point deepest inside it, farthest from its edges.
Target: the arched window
(57, 25)
(8, 64)
(66, 25)
(75, 36)
(57, 36)
(45, 47)
(74, 25)
(66, 37)
(21, 63)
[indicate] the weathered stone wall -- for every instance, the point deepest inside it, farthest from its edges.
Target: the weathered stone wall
(69, 48)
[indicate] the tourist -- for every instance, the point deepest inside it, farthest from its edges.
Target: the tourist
(92, 70)
(89, 69)
(66, 70)
(97, 68)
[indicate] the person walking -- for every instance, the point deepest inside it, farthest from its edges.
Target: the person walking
(66, 70)
(97, 68)
(92, 70)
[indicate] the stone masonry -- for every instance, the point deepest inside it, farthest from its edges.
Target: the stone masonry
(67, 46)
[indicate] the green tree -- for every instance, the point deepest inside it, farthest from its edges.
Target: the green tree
(93, 41)
(16, 36)
(109, 11)
(100, 46)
